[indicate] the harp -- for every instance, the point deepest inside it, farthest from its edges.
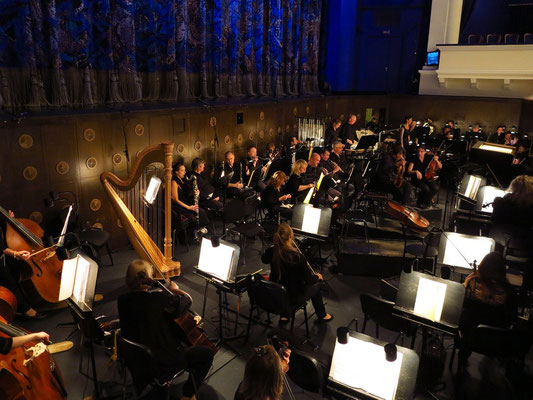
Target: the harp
(137, 218)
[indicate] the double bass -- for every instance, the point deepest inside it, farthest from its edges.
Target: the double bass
(28, 372)
(44, 267)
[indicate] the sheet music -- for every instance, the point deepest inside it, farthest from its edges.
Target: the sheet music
(430, 299)
(489, 194)
(311, 220)
(216, 261)
(68, 274)
(82, 279)
(472, 248)
(362, 365)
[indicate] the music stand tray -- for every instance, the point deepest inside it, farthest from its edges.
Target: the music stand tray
(430, 301)
(405, 385)
(310, 221)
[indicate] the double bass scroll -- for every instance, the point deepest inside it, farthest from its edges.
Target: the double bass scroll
(141, 241)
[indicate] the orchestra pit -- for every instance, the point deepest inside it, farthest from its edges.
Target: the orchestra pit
(263, 200)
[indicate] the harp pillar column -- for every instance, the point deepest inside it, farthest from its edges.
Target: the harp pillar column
(168, 149)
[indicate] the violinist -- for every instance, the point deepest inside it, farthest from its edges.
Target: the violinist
(251, 164)
(296, 186)
(419, 170)
(9, 274)
(390, 175)
(147, 317)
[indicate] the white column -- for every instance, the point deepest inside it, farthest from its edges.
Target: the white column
(455, 9)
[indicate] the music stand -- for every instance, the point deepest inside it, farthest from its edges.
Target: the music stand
(458, 250)
(486, 197)
(366, 141)
(430, 301)
(310, 221)
(359, 370)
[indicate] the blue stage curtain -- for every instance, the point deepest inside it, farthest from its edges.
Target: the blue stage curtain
(81, 53)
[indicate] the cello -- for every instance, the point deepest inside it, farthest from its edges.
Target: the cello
(407, 216)
(28, 372)
(44, 266)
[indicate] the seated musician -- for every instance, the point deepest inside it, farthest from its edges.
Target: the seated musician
(147, 316)
(327, 194)
(10, 274)
(251, 167)
(390, 175)
(263, 375)
(498, 136)
(209, 198)
(326, 163)
(272, 196)
(348, 133)
(289, 267)
(511, 139)
(417, 170)
(229, 176)
(332, 133)
(336, 154)
(293, 146)
(271, 153)
(296, 185)
(522, 153)
(182, 196)
(512, 215)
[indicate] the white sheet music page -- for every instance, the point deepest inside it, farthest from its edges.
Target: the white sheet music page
(311, 220)
(362, 365)
(215, 260)
(68, 273)
(430, 299)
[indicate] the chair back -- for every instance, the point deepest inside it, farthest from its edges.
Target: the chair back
(250, 205)
(306, 371)
(270, 296)
(233, 211)
(380, 311)
(139, 359)
(511, 38)
(499, 342)
(494, 38)
(475, 39)
(528, 38)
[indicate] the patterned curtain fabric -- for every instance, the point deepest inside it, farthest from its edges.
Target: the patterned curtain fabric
(76, 53)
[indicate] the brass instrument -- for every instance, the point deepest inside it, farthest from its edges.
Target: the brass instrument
(130, 190)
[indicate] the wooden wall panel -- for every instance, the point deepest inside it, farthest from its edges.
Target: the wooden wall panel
(60, 152)
(91, 161)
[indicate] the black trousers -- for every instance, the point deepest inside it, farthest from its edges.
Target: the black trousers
(401, 194)
(427, 190)
(312, 292)
(9, 279)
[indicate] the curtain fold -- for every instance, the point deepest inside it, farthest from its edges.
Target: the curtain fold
(82, 53)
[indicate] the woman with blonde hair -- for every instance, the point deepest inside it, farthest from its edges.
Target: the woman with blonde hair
(263, 376)
(512, 215)
(272, 197)
(295, 186)
(289, 267)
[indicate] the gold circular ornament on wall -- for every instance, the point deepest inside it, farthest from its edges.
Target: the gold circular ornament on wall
(341, 117)
(36, 217)
(25, 141)
(213, 121)
(91, 163)
(262, 115)
(327, 106)
(271, 132)
(307, 109)
(89, 134)
(30, 173)
(119, 224)
(212, 143)
(262, 134)
(180, 148)
(95, 204)
(279, 129)
(251, 135)
(62, 168)
(294, 127)
(239, 138)
(287, 128)
(117, 158)
(139, 129)
(98, 225)
(197, 145)
(227, 139)
(295, 110)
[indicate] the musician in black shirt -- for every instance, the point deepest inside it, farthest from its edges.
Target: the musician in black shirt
(498, 136)
(147, 317)
(209, 197)
(297, 187)
(293, 146)
(417, 170)
(273, 197)
(390, 175)
(252, 167)
(228, 176)
(332, 133)
(347, 133)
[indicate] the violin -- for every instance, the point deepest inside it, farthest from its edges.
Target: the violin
(189, 323)
(44, 267)
(400, 170)
(430, 174)
(407, 216)
(28, 372)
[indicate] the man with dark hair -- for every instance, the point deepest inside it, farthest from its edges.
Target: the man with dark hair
(208, 196)
(251, 167)
(391, 169)
(347, 133)
(498, 136)
(332, 133)
(292, 146)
